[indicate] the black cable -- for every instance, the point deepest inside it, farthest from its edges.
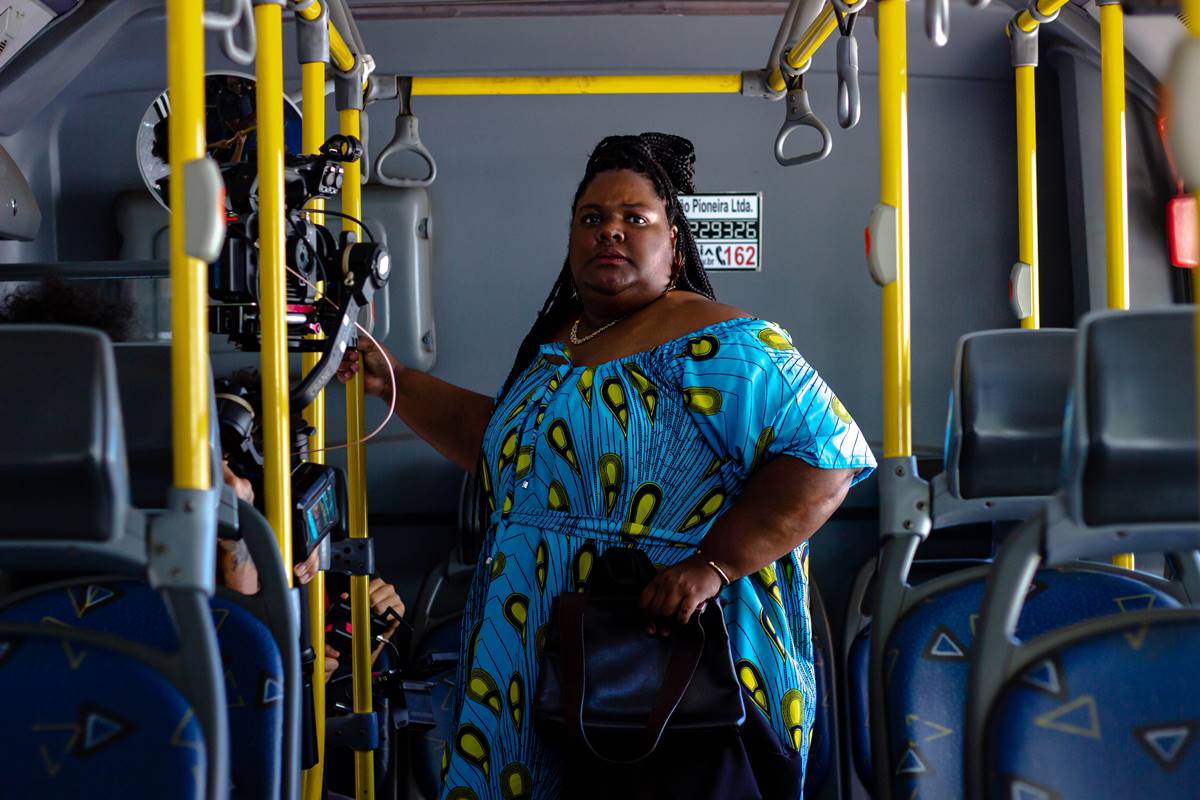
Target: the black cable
(355, 220)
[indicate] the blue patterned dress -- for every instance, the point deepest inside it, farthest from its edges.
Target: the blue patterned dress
(646, 450)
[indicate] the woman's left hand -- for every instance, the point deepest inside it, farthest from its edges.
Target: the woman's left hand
(677, 593)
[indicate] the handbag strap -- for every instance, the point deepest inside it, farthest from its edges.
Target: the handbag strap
(681, 667)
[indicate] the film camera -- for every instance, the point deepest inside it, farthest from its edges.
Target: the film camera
(350, 271)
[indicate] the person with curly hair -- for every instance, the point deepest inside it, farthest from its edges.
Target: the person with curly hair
(639, 412)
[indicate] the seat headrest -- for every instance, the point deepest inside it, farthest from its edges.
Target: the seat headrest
(1004, 433)
(144, 370)
(63, 474)
(1131, 449)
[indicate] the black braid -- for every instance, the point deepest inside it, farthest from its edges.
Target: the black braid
(669, 163)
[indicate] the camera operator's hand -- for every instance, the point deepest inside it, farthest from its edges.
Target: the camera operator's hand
(331, 662)
(382, 598)
(379, 369)
(241, 487)
(306, 570)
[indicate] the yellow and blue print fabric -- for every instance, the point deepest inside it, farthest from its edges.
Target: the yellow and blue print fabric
(646, 451)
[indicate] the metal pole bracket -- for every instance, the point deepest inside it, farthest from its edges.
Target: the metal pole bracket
(182, 551)
(359, 732)
(348, 87)
(312, 38)
(1023, 45)
(353, 556)
(904, 499)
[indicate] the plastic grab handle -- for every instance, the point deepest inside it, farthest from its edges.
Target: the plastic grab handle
(406, 140)
(800, 115)
(849, 99)
(937, 21)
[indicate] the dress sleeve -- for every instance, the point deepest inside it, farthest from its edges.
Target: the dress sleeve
(753, 397)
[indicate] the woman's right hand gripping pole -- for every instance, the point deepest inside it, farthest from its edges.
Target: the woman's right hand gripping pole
(450, 418)
(375, 364)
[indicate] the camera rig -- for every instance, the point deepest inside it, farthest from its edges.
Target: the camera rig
(348, 271)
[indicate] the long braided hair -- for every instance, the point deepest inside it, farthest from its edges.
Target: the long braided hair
(669, 163)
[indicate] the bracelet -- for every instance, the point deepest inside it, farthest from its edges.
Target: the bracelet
(724, 578)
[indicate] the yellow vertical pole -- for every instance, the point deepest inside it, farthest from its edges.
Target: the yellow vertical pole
(893, 191)
(313, 93)
(189, 276)
(1027, 207)
(1116, 188)
(271, 276)
(356, 463)
(1191, 13)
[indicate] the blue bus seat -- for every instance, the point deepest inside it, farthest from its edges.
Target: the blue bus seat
(858, 655)
(119, 704)
(928, 661)
(1102, 718)
(1003, 455)
(823, 773)
(257, 634)
(88, 718)
(429, 748)
(437, 635)
(1102, 708)
(132, 611)
(858, 705)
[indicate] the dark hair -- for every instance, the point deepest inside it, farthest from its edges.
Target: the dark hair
(669, 163)
(57, 302)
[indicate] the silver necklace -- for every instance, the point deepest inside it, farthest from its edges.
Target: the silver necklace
(574, 334)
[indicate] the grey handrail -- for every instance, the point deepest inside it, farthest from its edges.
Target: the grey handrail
(800, 115)
(407, 139)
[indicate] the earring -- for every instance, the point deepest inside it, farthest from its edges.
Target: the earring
(679, 262)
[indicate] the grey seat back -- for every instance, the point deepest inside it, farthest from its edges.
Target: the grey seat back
(76, 514)
(1004, 437)
(1134, 457)
(1131, 432)
(74, 440)
(145, 375)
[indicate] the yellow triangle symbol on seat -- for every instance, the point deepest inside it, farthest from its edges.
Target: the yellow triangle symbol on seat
(1078, 718)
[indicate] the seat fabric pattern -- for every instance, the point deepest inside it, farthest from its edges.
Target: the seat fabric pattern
(253, 667)
(1110, 715)
(80, 717)
(927, 663)
(858, 718)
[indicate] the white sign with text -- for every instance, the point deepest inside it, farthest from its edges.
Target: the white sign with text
(727, 229)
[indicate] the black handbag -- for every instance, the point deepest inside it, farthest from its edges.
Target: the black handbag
(610, 691)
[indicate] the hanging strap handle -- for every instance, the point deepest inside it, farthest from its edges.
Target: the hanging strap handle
(688, 647)
(937, 21)
(800, 115)
(406, 140)
(849, 98)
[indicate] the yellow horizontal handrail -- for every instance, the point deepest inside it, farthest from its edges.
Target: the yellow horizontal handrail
(1047, 8)
(818, 31)
(466, 85)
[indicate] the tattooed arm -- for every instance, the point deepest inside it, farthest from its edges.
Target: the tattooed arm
(235, 570)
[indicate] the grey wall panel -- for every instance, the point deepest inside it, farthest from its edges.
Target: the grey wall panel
(508, 168)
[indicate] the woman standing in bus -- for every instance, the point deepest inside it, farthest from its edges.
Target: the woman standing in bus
(639, 411)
